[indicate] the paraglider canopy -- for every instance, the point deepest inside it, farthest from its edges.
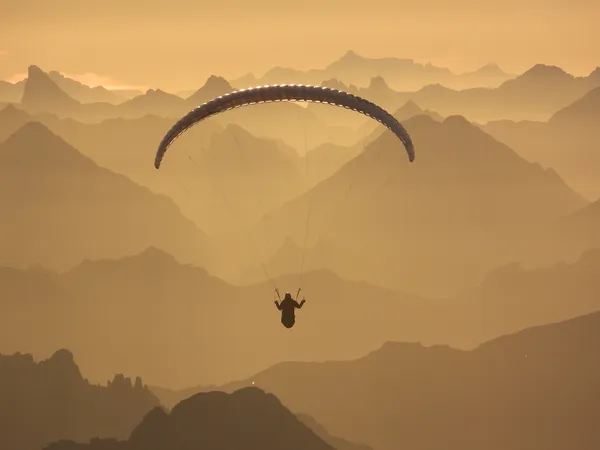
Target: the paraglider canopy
(284, 92)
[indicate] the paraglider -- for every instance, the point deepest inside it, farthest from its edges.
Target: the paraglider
(284, 92)
(278, 93)
(288, 308)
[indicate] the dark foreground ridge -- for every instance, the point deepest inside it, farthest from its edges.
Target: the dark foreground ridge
(50, 400)
(246, 419)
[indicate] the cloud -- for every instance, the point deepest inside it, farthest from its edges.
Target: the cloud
(3, 52)
(17, 77)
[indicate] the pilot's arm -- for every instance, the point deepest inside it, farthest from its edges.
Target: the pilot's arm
(278, 305)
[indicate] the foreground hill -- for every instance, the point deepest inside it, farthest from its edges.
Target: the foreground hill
(533, 389)
(50, 400)
(245, 419)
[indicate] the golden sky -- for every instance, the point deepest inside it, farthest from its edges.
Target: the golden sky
(175, 45)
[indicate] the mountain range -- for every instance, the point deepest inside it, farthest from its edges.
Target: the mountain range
(206, 420)
(533, 95)
(532, 389)
(123, 314)
(49, 400)
(404, 74)
(64, 208)
(466, 196)
(567, 142)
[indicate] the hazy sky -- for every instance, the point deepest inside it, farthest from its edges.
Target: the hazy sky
(175, 45)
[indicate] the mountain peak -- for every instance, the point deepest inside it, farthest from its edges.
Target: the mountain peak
(595, 74)
(378, 83)
(216, 82)
(584, 111)
(457, 121)
(43, 95)
(351, 55)
(213, 87)
(35, 147)
(61, 365)
(490, 69)
(206, 419)
(545, 72)
(409, 109)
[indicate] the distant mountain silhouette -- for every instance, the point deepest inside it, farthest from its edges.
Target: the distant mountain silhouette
(11, 92)
(572, 234)
(567, 142)
(38, 298)
(50, 400)
(42, 94)
(222, 178)
(84, 93)
(11, 119)
(326, 159)
(247, 418)
(405, 74)
(482, 202)
(247, 176)
(294, 124)
(155, 102)
(512, 298)
(410, 109)
(199, 309)
(532, 389)
(64, 207)
(292, 258)
(535, 94)
(155, 305)
(214, 87)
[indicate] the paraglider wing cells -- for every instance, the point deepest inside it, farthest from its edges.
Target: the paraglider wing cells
(278, 93)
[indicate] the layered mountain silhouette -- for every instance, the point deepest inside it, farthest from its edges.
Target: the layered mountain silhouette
(572, 234)
(11, 92)
(11, 119)
(42, 402)
(247, 418)
(222, 178)
(532, 389)
(356, 69)
(534, 95)
(291, 122)
(467, 197)
(149, 306)
(64, 208)
(335, 442)
(42, 94)
(84, 93)
(293, 258)
(567, 142)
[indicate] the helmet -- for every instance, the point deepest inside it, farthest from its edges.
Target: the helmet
(288, 296)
